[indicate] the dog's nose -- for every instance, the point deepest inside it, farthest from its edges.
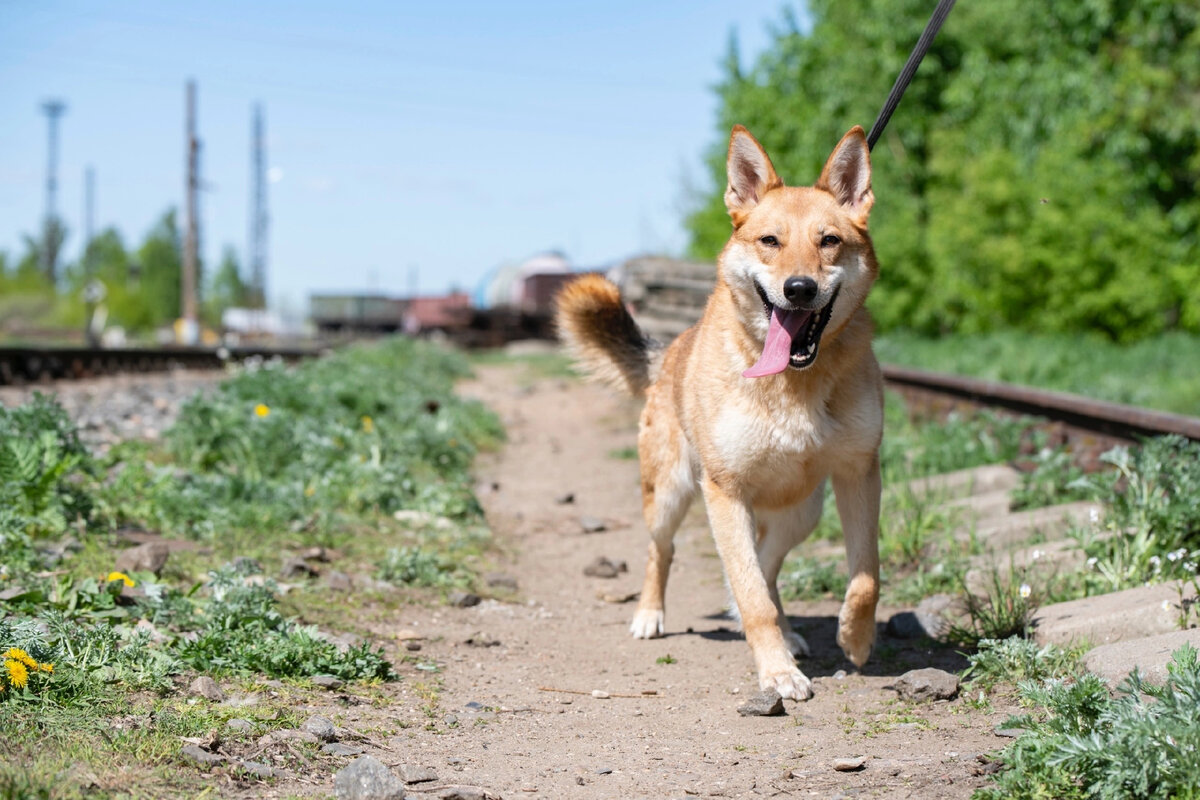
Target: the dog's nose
(800, 289)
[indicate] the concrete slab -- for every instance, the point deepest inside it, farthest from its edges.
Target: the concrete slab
(966, 482)
(1046, 524)
(1150, 654)
(1116, 617)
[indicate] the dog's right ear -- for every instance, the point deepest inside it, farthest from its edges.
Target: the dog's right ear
(751, 174)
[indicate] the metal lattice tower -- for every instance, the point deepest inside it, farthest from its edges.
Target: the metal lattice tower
(257, 245)
(51, 229)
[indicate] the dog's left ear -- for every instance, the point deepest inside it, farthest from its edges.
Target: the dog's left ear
(847, 173)
(750, 172)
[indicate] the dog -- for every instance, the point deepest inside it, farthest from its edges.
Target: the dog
(774, 391)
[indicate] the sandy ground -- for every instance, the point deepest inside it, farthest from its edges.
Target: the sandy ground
(671, 727)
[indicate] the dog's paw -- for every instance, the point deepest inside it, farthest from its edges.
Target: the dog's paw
(856, 642)
(796, 644)
(647, 623)
(791, 684)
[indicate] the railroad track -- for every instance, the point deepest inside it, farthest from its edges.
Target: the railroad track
(1076, 414)
(21, 365)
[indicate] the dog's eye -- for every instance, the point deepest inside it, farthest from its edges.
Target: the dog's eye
(829, 240)
(769, 241)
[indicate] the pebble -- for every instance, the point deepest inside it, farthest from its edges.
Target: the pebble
(927, 684)
(340, 749)
(849, 764)
(207, 688)
(463, 599)
(148, 557)
(410, 773)
(600, 694)
(321, 728)
(366, 778)
(412, 646)
(1009, 733)
(499, 580)
(328, 681)
(565, 499)
(602, 567)
(239, 725)
(338, 581)
(592, 524)
(258, 769)
(762, 704)
(201, 756)
(297, 568)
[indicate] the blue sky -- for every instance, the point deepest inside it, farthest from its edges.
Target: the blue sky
(444, 137)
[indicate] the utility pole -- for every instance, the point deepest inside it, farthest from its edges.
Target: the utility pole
(51, 228)
(93, 290)
(259, 220)
(189, 331)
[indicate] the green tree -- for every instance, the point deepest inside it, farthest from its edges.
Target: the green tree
(1040, 173)
(227, 289)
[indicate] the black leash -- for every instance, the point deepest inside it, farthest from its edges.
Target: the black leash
(910, 69)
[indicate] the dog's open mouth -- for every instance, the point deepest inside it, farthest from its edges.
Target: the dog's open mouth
(793, 337)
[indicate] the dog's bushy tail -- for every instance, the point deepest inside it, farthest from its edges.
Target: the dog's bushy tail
(601, 335)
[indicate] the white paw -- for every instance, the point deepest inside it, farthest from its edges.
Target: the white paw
(791, 684)
(796, 644)
(647, 623)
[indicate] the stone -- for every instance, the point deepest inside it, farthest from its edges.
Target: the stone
(1050, 523)
(602, 567)
(337, 580)
(410, 773)
(207, 688)
(592, 524)
(938, 613)
(849, 764)
(321, 728)
(762, 704)
(244, 565)
(905, 625)
(480, 639)
(565, 499)
(366, 778)
(927, 684)
(412, 646)
(340, 749)
(466, 793)
(295, 568)
(317, 553)
(1150, 655)
(966, 482)
(257, 769)
(287, 735)
(499, 580)
(1115, 617)
(1008, 733)
(198, 754)
(417, 519)
(239, 725)
(328, 682)
(460, 599)
(148, 557)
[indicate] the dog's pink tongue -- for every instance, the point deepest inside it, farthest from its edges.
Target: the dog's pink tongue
(777, 349)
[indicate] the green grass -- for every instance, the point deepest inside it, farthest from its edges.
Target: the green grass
(1163, 372)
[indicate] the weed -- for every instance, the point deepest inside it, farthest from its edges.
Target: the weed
(1082, 742)
(411, 566)
(624, 453)
(1004, 609)
(1055, 478)
(808, 579)
(1017, 659)
(667, 659)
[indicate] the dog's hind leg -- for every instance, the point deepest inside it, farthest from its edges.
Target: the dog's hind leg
(857, 491)
(778, 533)
(668, 486)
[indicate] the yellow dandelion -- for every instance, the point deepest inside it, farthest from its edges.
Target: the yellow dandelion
(18, 673)
(46, 667)
(261, 410)
(120, 576)
(368, 424)
(17, 654)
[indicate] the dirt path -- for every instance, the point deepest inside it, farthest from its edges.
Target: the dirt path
(492, 726)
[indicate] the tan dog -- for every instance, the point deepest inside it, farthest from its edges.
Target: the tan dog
(773, 391)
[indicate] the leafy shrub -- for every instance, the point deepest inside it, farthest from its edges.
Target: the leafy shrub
(1081, 742)
(412, 566)
(1018, 659)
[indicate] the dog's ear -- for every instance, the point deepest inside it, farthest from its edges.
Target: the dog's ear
(847, 173)
(750, 172)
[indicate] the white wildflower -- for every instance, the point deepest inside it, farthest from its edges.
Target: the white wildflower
(1026, 590)
(1093, 515)
(1091, 562)
(1035, 555)
(1166, 605)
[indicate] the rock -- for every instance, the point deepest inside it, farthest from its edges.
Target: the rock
(592, 524)
(328, 682)
(938, 613)
(423, 519)
(338, 581)
(321, 728)
(498, 580)
(602, 567)
(340, 749)
(295, 568)
(198, 754)
(412, 646)
(849, 764)
(481, 640)
(600, 694)
(565, 499)
(207, 688)
(414, 774)
(244, 565)
(966, 482)
(604, 771)
(618, 597)
(1115, 617)
(927, 684)
(1009, 733)
(466, 793)
(905, 625)
(287, 735)
(257, 769)
(239, 725)
(460, 599)
(366, 778)
(1150, 655)
(148, 557)
(1050, 523)
(762, 704)
(317, 553)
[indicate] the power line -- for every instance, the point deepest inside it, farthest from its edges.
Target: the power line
(190, 329)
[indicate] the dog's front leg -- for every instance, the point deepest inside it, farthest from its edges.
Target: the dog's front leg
(732, 523)
(857, 491)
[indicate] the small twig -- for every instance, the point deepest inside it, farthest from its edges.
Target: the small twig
(648, 693)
